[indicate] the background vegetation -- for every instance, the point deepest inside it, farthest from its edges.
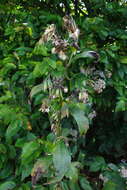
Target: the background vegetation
(63, 118)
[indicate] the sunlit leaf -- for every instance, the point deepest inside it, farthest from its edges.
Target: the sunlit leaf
(7, 185)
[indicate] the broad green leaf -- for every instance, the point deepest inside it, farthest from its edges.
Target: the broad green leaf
(6, 171)
(74, 186)
(20, 142)
(51, 62)
(87, 54)
(110, 185)
(43, 163)
(98, 163)
(64, 186)
(36, 89)
(54, 180)
(41, 69)
(113, 167)
(39, 187)
(3, 149)
(12, 151)
(85, 184)
(72, 172)
(120, 106)
(61, 158)
(114, 180)
(123, 59)
(40, 50)
(26, 171)
(81, 119)
(31, 150)
(13, 129)
(7, 185)
(24, 187)
(23, 50)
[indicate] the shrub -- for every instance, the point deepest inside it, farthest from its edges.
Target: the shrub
(63, 95)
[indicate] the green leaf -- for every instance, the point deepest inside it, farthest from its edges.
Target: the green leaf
(110, 185)
(114, 180)
(74, 186)
(81, 119)
(98, 163)
(20, 142)
(64, 186)
(39, 187)
(120, 106)
(51, 62)
(23, 50)
(31, 150)
(3, 149)
(61, 158)
(13, 129)
(43, 163)
(7, 185)
(6, 171)
(40, 69)
(36, 89)
(85, 184)
(87, 54)
(113, 167)
(123, 60)
(72, 172)
(26, 171)
(24, 187)
(40, 50)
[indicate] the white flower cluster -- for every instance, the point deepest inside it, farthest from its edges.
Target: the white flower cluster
(108, 74)
(92, 115)
(103, 178)
(60, 45)
(71, 27)
(123, 172)
(83, 96)
(44, 107)
(99, 85)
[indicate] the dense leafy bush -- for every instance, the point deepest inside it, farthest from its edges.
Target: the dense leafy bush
(63, 95)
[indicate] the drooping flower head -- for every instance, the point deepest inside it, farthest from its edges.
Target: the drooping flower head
(70, 26)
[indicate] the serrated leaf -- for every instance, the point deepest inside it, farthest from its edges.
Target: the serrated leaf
(81, 119)
(7, 185)
(61, 158)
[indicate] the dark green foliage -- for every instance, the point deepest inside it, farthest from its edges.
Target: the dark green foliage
(63, 97)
